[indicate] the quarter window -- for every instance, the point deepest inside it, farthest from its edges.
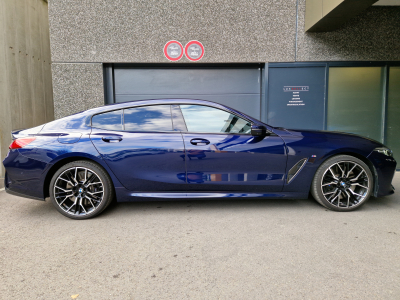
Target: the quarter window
(110, 120)
(148, 118)
(207, 119)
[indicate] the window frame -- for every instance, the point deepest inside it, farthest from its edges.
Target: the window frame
(172, 131)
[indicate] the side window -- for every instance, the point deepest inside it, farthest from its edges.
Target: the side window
(148, 118)
(110, 120)
(207, 119)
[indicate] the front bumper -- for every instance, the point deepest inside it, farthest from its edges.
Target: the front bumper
(385, 168)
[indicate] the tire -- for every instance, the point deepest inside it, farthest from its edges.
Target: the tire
(81, 190)
(342, 183)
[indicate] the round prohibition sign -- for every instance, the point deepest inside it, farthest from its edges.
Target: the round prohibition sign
(173, 50)
(194, 50)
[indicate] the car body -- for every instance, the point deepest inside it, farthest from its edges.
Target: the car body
(145, 161)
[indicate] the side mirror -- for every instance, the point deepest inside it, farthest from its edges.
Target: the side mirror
(258, 130)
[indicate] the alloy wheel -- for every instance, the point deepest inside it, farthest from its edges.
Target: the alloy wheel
(345, 184)
(78, 191)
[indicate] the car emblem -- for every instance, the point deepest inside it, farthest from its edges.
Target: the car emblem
(80, 190)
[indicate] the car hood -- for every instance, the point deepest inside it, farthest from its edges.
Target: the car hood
(324, 134)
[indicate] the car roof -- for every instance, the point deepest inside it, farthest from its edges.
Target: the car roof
(81, 120)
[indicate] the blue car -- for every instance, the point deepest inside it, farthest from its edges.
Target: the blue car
(177, 148)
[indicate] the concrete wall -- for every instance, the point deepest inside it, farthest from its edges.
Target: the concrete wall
(101, 31)
(25, 76)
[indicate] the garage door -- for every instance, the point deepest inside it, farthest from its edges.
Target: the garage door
(236, 87)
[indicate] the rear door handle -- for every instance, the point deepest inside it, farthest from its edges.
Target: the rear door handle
(199, 142)
(111, 139)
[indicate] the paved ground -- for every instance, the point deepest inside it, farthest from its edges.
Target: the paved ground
(247, 249)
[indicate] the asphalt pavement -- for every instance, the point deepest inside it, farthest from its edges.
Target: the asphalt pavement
(241, 249)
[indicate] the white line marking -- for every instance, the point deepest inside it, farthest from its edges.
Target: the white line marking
(2, 189)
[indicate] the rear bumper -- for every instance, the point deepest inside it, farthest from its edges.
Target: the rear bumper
(24, 176)
(10, 191)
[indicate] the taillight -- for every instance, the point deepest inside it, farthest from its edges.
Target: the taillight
(22, 142)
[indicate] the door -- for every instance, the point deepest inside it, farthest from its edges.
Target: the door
(222, 155)
(141, 148)
(237, 87)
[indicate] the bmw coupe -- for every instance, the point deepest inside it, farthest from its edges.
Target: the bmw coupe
(176, 148)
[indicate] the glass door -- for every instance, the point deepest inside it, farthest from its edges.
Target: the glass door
(393, 112)
(355, 101)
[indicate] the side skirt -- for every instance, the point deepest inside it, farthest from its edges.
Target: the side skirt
(124, 195)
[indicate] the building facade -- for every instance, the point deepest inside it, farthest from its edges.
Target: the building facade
(26, 97)
(315, 64)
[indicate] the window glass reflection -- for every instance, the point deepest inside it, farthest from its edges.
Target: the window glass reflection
(148, 118)
(111, 120)
(200, 118)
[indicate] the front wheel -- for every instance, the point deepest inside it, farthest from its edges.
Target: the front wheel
(81, 190)
(342, 183)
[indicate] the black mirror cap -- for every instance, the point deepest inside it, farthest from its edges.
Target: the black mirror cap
(258, 130)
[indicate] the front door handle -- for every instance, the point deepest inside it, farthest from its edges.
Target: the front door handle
(199, 142)
(111, 139)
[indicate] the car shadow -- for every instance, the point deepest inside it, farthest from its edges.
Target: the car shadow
(46, 209)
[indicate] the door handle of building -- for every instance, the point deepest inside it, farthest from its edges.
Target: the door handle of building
(199, 142)
(111, 139)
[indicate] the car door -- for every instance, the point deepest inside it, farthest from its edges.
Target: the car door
(141, 147)
(222, 155)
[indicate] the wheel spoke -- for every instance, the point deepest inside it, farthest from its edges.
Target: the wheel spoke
(340, 169)
(76, 173)
(65, 199)
(333, 175)
(354, 193)
(331, 192)
(94, 193)
(57, 187)
(335, 182)
(90, 200)
(348, 198)
(348, 173)
(354, 179)
(359, 185)
(89, 180)
(66, 181)
(333, 197)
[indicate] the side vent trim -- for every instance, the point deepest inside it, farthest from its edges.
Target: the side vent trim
(296, 169)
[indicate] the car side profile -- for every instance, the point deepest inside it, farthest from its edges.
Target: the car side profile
(181, 148)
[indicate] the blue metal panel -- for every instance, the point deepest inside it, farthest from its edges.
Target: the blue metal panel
(296, 97)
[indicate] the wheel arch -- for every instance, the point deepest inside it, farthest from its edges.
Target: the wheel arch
(53, 169)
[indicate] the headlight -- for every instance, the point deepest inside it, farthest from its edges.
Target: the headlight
(385, 151)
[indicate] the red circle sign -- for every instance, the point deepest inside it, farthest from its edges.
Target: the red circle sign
(194, 50)
(173, 50)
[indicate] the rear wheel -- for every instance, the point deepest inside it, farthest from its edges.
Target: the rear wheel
(342, 183)
(81, 190)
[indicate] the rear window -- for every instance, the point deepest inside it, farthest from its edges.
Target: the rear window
(110, 120)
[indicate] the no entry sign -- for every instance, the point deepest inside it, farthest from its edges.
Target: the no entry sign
(194, 50)
(173, 50)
